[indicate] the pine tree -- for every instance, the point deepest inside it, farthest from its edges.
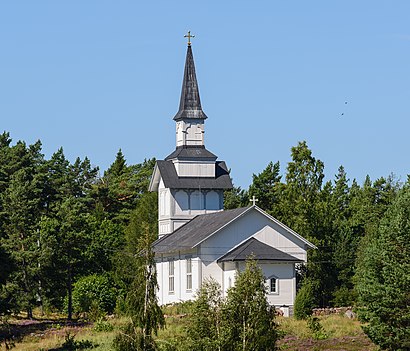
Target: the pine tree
(64, 240)
(21, 210)
(235, 198)
(383, 278)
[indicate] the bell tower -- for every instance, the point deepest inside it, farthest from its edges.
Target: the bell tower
(190, 181)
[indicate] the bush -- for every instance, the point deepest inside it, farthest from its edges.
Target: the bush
(304, 301)
(344, 297)
(73, 345)
(94, 293)
(103, 326)
(316, 328)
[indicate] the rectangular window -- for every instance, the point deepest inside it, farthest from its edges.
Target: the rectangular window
(273, 285)
(189, 274)
(171, 270)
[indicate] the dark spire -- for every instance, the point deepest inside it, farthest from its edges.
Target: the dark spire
(190, 104)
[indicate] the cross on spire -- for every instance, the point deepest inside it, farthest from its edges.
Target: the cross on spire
(189, 36)
(254, 200)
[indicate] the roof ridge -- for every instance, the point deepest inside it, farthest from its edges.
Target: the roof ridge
(244, 245)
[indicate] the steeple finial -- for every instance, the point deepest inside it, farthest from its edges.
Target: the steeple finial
(189, 36)
(190, 103)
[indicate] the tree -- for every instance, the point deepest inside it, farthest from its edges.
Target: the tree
(304, 301)
(383, 278)
(21, 209)
(118, 192)
(235, 198)
(304, 207)
(64, 240)
(264, 186)
(205, 325)
(248, 320)
(145, 315)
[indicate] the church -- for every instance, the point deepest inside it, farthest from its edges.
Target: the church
(197, 237)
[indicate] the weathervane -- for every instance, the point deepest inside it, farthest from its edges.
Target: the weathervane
(189, 36)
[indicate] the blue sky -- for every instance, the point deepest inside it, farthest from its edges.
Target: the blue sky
(96, 76)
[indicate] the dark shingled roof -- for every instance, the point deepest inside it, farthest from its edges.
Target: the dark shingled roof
(189, 152)
(169, 175)
(197, 229)
(190, 103)
(259, 251)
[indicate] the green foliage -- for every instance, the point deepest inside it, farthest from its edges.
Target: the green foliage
(145, 315)
(132, 339)
(265, 186)
(94, 292)
(235, 198)
(243, 322)
(204, 332)
(249, 322)
(344, 296)
(70, 344)
(316, 328)
(383, 278)
(102, 325)
(304, 301)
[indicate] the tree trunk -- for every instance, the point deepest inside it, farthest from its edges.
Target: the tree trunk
(70, 295)
(29, 312)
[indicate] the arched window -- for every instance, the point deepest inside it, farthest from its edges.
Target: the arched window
(273, 285)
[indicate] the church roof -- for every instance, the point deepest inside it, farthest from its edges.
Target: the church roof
(190, 103)
(196, 230)
(201, 227)
(260, 251)
(191, 152)
(171, 180)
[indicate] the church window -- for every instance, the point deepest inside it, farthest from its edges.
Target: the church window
(189, 274)
(212, 201)
(196, 200)
(273, 285)
(171, 280)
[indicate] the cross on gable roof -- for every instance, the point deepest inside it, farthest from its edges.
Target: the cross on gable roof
(201, 227)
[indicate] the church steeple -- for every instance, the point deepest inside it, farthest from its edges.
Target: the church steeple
(190, 181)
(190, 117)
(190, 103)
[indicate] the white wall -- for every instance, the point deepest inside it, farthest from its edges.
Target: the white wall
(281, 240)
(286, 280)
(181, 293)
(190, 132)
(251, 224)
(195, 168)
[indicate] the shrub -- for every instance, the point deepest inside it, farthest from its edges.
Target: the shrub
(103, 326)
(73, 345)
(344, 297)
(304, 301)
(316, 328)
(94, 293)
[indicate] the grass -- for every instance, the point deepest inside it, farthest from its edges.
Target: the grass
(342, 334)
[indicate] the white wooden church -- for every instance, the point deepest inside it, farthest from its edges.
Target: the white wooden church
(197, 238)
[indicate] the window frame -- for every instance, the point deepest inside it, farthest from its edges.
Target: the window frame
(188, 264)
(269, 281)
(171, 276)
